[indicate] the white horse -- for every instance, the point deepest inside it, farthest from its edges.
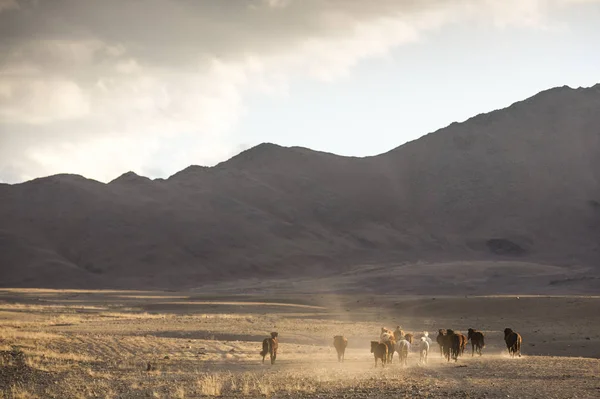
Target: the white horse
(424, 350)
(403, 347)
(426, 336)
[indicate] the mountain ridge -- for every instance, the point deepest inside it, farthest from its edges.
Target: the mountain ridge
(517, 183)
(274, 146)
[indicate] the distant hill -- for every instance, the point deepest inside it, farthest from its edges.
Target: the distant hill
(521, 183)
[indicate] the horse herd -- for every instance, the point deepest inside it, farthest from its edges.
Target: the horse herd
(452, 345)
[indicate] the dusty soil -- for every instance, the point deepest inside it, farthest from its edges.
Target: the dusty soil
(100, 344)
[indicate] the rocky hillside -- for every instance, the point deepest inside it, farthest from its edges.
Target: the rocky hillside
(520, 183)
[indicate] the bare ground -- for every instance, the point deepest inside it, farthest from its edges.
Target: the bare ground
(98, 344)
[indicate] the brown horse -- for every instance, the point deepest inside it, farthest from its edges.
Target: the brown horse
(270, 346)
(513, 342)
(379, 351)
(477, 341)
(391, 345)
(340, 343)
(463, 343)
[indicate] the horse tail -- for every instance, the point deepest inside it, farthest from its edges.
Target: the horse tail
(482, 341)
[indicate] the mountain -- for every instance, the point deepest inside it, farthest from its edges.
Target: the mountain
(521, 184)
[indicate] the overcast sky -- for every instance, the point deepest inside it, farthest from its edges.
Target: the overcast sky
(101, 87)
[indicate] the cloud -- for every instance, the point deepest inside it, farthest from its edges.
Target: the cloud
(8, 4)
(39, 101)
(98, 87)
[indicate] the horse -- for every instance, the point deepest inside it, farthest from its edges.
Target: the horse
(340, 343)
(452, 345)
(386, 334)
(441, 340)
(423, 350)
(426, 336)
(270, 346)
(391, 345)
(513, 342)
(463, 343)
(477, 341)
(398, 333)
(403, 348)
(379, 351)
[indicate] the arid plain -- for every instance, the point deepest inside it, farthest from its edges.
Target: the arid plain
(129, 344)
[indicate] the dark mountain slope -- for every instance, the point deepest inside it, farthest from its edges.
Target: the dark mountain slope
(528, 172)
(520, 183)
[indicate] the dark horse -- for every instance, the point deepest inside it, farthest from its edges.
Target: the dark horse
(452, 345)
(441, 340)
(270, 346)
(477, 341)
(513, 342)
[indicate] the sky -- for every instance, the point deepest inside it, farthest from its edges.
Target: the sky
(102, 87)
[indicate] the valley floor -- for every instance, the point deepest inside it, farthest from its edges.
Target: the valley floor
(128, 344)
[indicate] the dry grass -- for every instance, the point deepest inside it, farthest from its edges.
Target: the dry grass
(20, 335)
(104, 352)
(252, 384)
(179, 393)
(211, 384)
(19, 392)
